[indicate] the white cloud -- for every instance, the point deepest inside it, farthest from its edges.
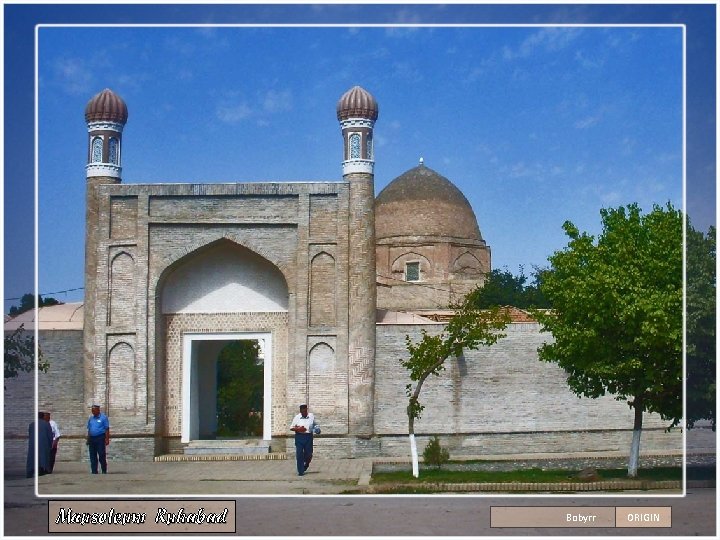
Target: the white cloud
(407, 71)
(544, 40)
(73, 76)
(628, 146)
(587, 122)
(610, 197)
(232, 114)
(275, 101)
(587, 62)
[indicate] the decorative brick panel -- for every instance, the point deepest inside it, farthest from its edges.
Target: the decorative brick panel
(323, 286)
(323, 217)
(123, 217)
(204, 323)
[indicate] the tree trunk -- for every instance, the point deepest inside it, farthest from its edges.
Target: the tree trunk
(411, 419)
(414, 454)
(413, 447)
(635, 446)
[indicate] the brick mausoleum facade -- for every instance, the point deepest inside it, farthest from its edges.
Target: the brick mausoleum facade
(327, 279)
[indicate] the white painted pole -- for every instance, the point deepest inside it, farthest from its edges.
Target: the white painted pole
(634, 454)
(413, 452)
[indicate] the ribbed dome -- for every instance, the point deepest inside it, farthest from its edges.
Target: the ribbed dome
(106, 106)
(421, 202)
(357, 103)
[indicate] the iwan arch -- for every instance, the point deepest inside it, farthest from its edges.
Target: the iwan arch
(329, 279)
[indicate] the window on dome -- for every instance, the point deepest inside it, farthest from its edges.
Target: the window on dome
(97, 145)
(412, 271)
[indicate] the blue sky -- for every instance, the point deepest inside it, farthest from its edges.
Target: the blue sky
(536, 125)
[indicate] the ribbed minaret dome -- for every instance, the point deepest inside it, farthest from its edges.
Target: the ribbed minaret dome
(106, 106)
(357, 103)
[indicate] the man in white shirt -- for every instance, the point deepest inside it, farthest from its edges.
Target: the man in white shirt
(304, 427)
(56, 438)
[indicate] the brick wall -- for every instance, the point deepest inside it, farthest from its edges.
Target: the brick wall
(60, 392)
(503, 399)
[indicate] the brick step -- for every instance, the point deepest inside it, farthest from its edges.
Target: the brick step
(221, 457)
(227, 447)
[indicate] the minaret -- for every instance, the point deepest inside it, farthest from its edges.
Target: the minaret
(357, 111)
(105, 115)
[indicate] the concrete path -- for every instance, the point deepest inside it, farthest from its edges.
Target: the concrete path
(231, 478)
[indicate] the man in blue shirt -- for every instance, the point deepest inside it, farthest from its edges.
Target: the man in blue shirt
(98, 437)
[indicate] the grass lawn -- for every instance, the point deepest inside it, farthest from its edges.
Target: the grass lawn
(433, 475)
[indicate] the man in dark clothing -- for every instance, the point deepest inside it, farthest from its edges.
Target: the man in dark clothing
(45, 440)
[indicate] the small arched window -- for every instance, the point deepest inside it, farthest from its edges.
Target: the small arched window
(369, 147)
(113, 151)
(355, 146)
(412, 271)
(97, 147)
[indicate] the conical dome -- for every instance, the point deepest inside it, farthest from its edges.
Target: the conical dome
(106, 106)
(421, 202)
(357, 103)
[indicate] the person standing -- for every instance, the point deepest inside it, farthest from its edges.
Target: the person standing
(44, 443)
(305, 427)
(56, 439)
(98, 437)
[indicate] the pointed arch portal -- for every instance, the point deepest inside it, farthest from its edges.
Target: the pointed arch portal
(217, 295)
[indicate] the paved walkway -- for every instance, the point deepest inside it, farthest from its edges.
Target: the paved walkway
(232, 478)
(271, 477)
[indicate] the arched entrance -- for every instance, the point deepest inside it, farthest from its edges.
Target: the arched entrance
(219, 295)
(199, 389)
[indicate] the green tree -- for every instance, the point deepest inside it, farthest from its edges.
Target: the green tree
(617, 313)
(700, 324)
(503, 288)
(27, 302)
(19, 347)
(469, 328)
(239, 389)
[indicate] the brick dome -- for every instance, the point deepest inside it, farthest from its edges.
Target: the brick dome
(421, 202)
(357, 103)
(106, 106)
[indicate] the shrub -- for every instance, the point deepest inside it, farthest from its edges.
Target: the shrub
(435, 454)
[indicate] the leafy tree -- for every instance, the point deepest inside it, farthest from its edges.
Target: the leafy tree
(19, 349)
(239, 389)
(617, 313)
(468, 328)
(19, 346)
(503, 288)
(700, 324)
(27, 302)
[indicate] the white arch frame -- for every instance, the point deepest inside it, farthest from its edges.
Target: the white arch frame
(189, 390)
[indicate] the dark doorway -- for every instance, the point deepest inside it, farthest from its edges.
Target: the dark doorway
(240, 384)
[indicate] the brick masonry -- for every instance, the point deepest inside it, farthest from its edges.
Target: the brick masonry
(449, 270)
(494, 401)
(501, 399)
(145, 234)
